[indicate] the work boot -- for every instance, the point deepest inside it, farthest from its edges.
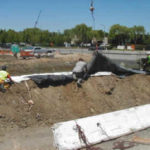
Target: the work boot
(2, 89)
(74, 76)
(79, 83)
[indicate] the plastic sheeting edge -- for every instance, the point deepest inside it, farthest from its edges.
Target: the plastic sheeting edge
(21, 78)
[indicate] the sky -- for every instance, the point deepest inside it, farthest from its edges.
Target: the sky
(58, 15)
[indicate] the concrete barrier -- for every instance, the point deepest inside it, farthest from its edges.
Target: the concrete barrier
(100, 128)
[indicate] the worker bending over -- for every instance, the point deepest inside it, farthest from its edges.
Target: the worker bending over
(79, 71)
(5, 79)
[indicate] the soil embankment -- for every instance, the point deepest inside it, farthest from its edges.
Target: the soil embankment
(54, 104)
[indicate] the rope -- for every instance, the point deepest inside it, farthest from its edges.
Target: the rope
(27, 86)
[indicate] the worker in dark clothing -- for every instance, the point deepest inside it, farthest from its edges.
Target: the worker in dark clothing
(79, 71)
(5, 79)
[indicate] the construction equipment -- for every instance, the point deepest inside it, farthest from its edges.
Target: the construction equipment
(36, 22)
(92, 12)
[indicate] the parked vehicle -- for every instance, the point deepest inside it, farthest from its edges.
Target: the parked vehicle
(27, 52)
(92, 48)
(36, 52)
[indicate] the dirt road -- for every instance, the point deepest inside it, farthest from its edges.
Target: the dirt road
(28, 139)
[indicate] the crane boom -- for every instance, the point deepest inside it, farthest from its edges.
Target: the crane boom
(36, 22)
(92, 12)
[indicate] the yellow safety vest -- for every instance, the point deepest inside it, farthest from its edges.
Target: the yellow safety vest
(3, 75)
(148, 59)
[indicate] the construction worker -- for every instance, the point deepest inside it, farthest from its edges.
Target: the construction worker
(148, 59)
(79, 71)
(146, 63)
(5, 79)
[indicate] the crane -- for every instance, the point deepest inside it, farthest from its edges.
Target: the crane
(92, 12)
(36, 22)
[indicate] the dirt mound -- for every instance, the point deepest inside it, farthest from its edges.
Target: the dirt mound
(54, 104)
(42, 65)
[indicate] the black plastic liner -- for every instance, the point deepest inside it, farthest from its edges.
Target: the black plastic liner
(101, 63)
(98, 63)
(54, 80)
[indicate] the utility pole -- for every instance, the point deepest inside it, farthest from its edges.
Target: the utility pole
(36, 22)
(103, 29)
(104, 35)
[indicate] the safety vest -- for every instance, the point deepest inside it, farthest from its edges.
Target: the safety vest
(148, 59)
(3, 75)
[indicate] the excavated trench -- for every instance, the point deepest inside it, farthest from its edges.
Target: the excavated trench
(61, 103)
(54, 104)
(64, 102)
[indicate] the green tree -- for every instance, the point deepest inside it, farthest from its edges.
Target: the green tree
(137, 34)
(68, 35)
(32, 35)
(3, 36)
(44, 38)
(119, 35)
(57, 39)
(98, 34)
(81, 31)
(147, 39)
(13, 36)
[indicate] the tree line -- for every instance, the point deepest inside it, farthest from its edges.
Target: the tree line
(117, 35)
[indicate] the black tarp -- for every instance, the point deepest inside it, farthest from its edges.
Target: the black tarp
(98, 63)
(54, 80)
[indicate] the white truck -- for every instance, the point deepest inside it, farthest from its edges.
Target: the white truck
(39, 52)
(36, 52)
